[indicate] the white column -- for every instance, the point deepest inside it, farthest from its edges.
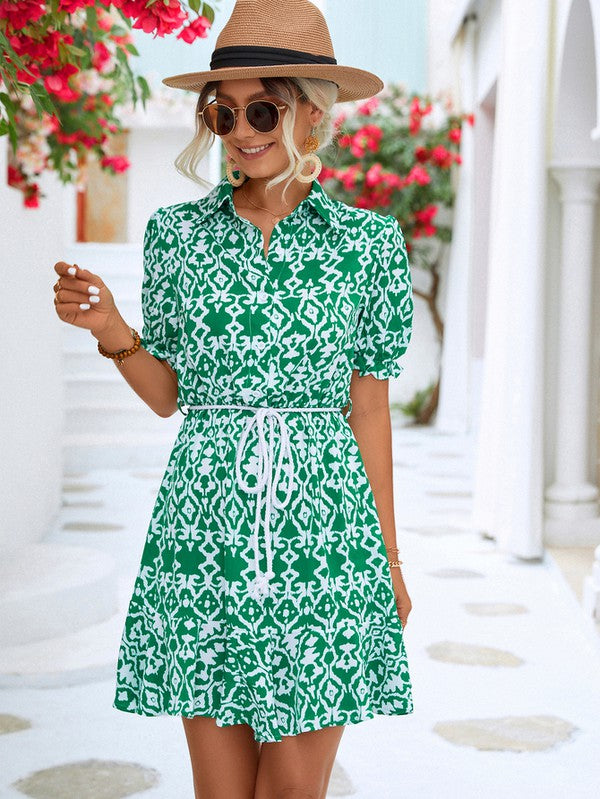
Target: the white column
(572, 495)
(454, 409)
(508, 485)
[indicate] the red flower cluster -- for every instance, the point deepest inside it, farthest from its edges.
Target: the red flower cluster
(38, 54)
(161, 17)
(367, 108)
(74, 5)
(31, 191)
(198, 29)
(116, 163)
(57, 83)
(439, 156)
(423, 219)
(417, 112)
(19, 13)
(367, 138)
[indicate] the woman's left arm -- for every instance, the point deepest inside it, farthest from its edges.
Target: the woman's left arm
(371, 424)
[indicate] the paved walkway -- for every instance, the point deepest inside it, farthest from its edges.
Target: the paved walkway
(505, 667)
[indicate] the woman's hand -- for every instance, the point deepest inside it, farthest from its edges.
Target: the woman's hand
(403, 603)
(82, 299)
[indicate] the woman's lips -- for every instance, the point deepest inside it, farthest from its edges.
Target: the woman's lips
(252, 156)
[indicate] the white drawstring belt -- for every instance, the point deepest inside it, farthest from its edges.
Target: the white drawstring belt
(265, 475)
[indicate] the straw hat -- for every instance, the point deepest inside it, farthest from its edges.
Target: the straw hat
(278, 38)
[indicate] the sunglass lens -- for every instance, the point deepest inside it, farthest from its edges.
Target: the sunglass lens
(262, 115)
(219, 119)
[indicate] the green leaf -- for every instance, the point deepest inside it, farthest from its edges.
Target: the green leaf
(195, 5)
(132, 49)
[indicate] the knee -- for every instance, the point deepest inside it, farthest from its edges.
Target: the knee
(298, 792)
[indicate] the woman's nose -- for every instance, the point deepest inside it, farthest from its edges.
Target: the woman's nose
(242, 126)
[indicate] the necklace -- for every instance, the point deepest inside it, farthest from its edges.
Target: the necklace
(276, 219)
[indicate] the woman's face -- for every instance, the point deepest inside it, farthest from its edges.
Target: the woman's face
(274, 159)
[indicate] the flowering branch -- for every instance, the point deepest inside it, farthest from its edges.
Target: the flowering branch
(397, 155)
(65, 69)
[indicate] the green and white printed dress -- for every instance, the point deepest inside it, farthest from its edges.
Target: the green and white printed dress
(264, 594)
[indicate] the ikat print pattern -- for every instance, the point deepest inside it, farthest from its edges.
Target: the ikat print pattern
(325, 645)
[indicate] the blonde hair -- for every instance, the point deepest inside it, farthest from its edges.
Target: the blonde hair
(323, 93)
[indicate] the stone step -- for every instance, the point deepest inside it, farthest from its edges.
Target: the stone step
(87, 655)
(90, 386)
(101, 417)
(121, 450)
(49, 589)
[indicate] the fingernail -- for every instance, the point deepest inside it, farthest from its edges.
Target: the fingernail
(93, 290)
(72, 270)
(84, 306)
(94, 298)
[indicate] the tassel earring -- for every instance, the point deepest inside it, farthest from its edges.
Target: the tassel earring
(229, 172)
(311, 143)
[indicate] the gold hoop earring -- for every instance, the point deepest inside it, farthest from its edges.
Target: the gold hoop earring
(229, 172)
(311, 143)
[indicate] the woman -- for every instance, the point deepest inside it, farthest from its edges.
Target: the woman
(269, 608)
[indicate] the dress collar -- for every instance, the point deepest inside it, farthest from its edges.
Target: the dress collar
(222, 194)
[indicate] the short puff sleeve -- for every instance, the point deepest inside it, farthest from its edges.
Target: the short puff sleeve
(385, 321)
(158, 298)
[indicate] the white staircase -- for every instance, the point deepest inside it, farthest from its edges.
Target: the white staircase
(107, 424)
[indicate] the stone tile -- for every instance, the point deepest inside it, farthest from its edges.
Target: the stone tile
(455, 573)
(472, 654)
(147, 475)
(9, 723)
(434, 530)
(92, 527)
(451, 494)
(340, 783)
(507, 733)
(88, 779)
(80, 487)
(90, 504)
(446, 475)
(494, 608)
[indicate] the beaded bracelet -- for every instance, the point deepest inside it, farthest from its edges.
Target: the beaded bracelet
(121, 354)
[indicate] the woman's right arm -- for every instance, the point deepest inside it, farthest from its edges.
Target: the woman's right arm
(153, 380)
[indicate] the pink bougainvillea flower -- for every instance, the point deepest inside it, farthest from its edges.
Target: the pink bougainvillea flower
(422, 154)
(367, 138)
(198, 29)
(20, 12)
(454, 134)
(116, 163)
(339, 120)
(326, 173)
(58, 84)
(442, 157)
(160, 18)
(417, 112)
(368, 107)
(425, 215)
(101, 57)
(418, 175)
(74, 5)
(373, 175)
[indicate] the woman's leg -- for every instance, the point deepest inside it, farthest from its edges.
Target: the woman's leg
(298, 766)
(224, 759)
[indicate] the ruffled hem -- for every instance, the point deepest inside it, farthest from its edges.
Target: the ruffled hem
(274, 734)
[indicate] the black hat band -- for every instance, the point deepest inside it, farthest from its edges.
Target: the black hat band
(256, 56)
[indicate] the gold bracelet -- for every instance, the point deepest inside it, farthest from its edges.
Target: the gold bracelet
(397, 563)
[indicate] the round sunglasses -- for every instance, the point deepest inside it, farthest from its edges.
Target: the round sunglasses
(221, 119)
